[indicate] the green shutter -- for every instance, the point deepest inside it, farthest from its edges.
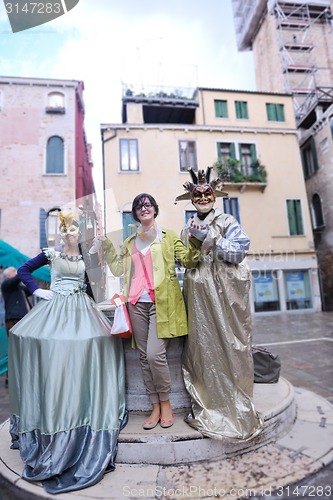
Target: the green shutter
(232, 151)
(253, 153)
(280, 113)
(298, 213)
(221, 109)
(241, 109)
(291, 217)
(270, 112)
(238, 109)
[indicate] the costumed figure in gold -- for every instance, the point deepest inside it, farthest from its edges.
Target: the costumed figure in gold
(217, 361)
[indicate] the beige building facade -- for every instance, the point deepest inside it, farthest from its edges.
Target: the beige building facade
(253, 134)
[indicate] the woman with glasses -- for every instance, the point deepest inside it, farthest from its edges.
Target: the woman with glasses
(155, 302)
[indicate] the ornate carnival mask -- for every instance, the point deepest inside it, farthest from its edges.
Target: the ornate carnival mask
(68, 224)
(202, 191)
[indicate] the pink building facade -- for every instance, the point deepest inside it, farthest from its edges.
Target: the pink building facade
(45, 160)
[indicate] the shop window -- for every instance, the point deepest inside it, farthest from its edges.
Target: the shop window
(275, 112)
(317, 212)
(55, 155)
(265, 290)
(221, 109)
(295, 219)
(297, 290)
(187, 155)
(129, 155)
(129, 224)
(230, 206)
(241, 110)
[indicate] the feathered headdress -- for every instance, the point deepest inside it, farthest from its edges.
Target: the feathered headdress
(200, 180)
(67, 219)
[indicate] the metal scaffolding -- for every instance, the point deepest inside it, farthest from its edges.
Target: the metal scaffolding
(307, 74)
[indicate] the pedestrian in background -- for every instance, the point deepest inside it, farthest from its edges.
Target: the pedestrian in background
(15, 295)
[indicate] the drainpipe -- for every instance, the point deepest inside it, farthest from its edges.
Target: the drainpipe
(115, 133)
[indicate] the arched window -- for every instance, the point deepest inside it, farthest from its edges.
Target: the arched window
(55, 157)
(317, 212)
(55, 103)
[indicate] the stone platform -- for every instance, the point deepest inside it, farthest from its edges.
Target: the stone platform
(181, 443)
(296, 442)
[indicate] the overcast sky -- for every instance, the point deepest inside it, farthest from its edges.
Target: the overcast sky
(181, 43)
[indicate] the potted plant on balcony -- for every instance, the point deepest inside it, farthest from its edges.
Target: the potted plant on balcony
(230, 170)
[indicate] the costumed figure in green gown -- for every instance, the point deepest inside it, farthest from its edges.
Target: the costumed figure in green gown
(66, 376)
(217, 360)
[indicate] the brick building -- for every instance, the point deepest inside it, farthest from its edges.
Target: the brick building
(45, 160)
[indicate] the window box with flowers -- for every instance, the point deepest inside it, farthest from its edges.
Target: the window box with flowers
(230, 171)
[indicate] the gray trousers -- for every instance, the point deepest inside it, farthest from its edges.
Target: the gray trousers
(154, 363)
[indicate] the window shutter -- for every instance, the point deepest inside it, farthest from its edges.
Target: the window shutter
(127, 218)
(305, 164)
(280, 112)
(42, 228)
(232, 151)
(314, 154)
(253, 153)
(298, 213)
(269, 112)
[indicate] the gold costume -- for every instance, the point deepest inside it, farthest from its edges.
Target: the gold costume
(217, 360)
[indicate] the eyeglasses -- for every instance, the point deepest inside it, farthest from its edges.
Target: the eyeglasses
(143, 205)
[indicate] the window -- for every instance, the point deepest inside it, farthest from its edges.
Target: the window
(226, 150)
(129, 224)
(129, 157)
(317, 212)
(55, 157)
(309, 158)
(265, 290)
(230, 206)
(297, 290)
(221, 109)
(295, 217)
(55, 103)
(241, 109)
(188, 215)
(52, 228)
(187, 155)
(248, 157)
(275, 112)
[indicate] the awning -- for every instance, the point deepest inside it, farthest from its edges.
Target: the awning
(10, 256)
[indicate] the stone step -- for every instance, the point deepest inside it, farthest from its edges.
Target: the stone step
(182, 444)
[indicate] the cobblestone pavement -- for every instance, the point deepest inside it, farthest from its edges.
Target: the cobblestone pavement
(304, 342)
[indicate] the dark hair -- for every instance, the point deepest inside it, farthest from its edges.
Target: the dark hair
(139, 199)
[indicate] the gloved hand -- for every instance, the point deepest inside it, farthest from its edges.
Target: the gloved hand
(43, 294)
(198, 231)
(97, 244)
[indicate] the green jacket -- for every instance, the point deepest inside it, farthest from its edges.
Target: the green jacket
(170, 308)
